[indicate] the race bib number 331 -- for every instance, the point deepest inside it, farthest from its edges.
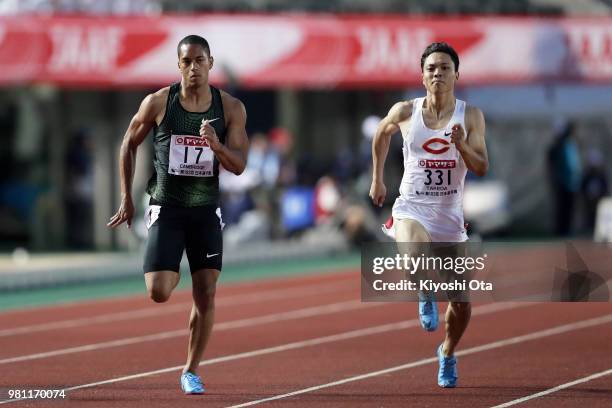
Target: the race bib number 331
(190, 156)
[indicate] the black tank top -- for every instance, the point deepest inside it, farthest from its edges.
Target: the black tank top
(191, 181)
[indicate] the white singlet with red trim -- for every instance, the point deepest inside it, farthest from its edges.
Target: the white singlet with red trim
(431, 191)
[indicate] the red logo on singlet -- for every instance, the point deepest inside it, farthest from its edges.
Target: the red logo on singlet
(427, 146)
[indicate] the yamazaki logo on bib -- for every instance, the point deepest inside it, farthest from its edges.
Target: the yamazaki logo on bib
(437, 164)
(430, 146)
(191, 141)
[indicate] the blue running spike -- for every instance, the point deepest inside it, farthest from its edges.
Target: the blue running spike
(191, 383)
(447, 373)
(428, 314)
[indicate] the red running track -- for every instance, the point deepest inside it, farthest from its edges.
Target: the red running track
(304, 342)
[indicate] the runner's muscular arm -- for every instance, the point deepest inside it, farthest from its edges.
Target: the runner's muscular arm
(139, 127)
(232, 155)
(387, 127)
(472, 148)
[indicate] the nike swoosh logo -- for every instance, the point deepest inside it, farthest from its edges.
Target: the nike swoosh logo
(211, 255)
(447, 133)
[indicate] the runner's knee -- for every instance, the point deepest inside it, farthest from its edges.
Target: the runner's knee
(204, 288)
(204, 296)
(160, 284)
(159, 294)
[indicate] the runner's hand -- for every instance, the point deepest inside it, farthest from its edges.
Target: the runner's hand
(208, 132)
(378, 192)
(123, 214)
(457, 135)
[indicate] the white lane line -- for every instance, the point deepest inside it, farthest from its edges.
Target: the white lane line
(485, 347)
(230, 325)
(233, 300)
(555, 389)
(480, 310)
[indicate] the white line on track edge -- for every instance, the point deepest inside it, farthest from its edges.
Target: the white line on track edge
(479, 310)
(484, 347)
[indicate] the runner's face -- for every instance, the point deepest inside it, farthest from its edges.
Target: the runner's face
(439, 73)
(194, 64)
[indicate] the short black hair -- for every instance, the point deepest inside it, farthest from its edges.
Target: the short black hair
(193, 39)
(440, 47)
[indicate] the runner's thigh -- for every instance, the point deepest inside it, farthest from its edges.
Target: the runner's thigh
(165, 240)
(409, 230)
(204, 239)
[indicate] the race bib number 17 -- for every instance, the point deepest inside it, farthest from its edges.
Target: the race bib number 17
(190, 156)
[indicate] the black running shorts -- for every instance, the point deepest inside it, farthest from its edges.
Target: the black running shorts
(197, 230)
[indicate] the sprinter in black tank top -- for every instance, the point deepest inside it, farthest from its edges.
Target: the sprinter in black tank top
(166, 185)
(196, 128)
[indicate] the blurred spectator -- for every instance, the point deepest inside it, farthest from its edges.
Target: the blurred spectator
(282, 142)
(594, 185)
(254, 225)
(264, 160)
(18, 200)
(346, 212)
(326, 199)
(344, 167)
(262, 172)
(565, 175)
(235, 197)
(297, 209)
(360, 225)
(79, 192)
(368, 130)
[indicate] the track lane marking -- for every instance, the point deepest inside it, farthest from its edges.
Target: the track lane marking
(555, 389)
(232, 300)
(221, 326)
(473, 350)
(385, 328)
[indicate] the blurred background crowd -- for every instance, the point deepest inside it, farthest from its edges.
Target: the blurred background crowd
(308, 171)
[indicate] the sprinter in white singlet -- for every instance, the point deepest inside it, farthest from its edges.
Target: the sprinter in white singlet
(443, 137)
